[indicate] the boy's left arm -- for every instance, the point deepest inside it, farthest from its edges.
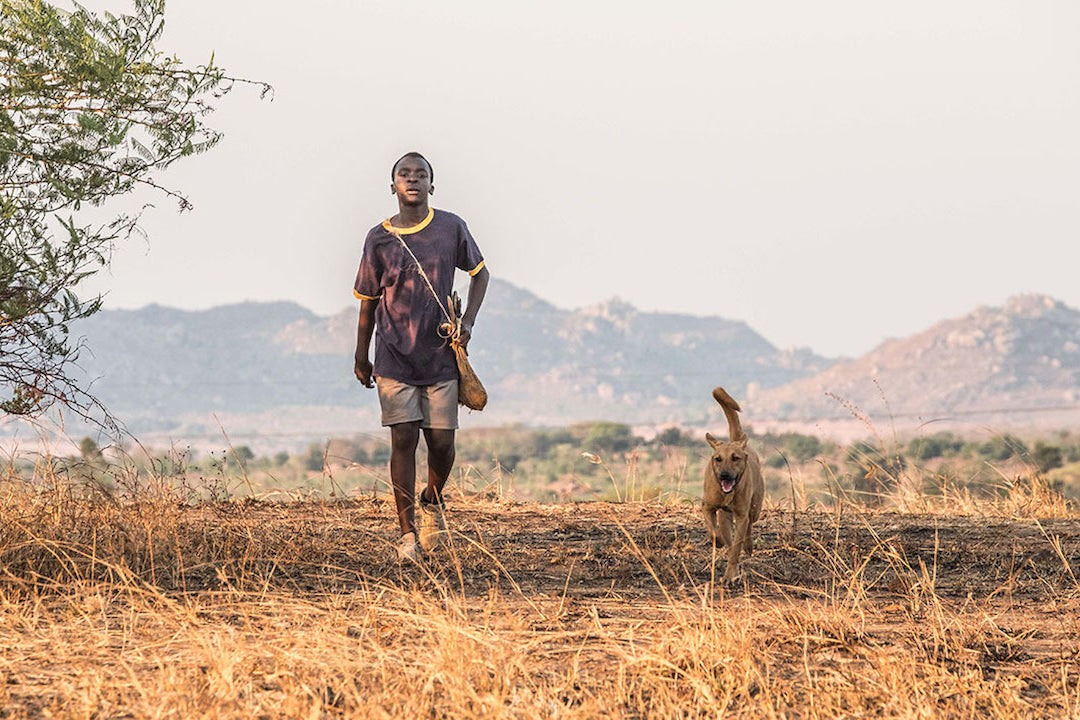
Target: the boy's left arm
(477, 289)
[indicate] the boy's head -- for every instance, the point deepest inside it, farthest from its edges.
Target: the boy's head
(412, 179)
(413, 156)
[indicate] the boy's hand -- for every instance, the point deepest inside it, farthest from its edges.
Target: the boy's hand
(464, 335)
(362, 370)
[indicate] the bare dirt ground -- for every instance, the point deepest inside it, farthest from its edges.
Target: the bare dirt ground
(577, 610)
(629, 550)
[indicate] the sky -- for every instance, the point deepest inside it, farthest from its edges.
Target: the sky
(832, 173)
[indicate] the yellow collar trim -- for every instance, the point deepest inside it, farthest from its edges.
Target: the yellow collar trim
(409, 230)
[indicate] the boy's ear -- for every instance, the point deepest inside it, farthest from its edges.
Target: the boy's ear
(432, 190)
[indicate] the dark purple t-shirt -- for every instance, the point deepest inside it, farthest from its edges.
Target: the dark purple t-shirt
(408, 346)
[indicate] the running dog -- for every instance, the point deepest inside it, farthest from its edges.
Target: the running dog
(734, 488)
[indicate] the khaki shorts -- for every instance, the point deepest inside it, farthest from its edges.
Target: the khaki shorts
(435, 406)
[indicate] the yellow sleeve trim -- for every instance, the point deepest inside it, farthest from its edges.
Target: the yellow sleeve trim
(359, 296)
(477, 269)
(409, 230)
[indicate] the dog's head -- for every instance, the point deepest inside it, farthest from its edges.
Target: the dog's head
(728, 462)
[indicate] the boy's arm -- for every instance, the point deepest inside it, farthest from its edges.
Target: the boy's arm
(477, 289)
(364, 329)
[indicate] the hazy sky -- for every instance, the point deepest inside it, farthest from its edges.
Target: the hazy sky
(832, 173)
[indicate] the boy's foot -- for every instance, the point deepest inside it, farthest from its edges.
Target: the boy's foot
(407, 549)
(432, 523)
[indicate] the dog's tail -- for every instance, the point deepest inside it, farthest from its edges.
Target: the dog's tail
(731, 411)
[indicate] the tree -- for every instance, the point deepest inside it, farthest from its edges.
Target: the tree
(802, 447)
(1047, 457)
(315, 460)
(610, 436)
(1003, 447)
(671, 436)
(89, 450)
(243, 454)
(90, 110)
(359, 454)
(934, 446)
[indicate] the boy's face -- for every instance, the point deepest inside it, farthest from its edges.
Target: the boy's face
(412, 181)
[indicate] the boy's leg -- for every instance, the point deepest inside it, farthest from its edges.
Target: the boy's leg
(403, 439)
(441, 454)
(438, 406)
(440, 445)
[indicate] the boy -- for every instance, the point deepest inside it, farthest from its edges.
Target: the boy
(415, 368)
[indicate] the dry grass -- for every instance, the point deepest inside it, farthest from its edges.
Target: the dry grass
(135, 604)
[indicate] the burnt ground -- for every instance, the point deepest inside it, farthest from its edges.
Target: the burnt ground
(593, 549)
(632, 562)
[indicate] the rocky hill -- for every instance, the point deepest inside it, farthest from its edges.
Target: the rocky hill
(1023, 356)
(276, 365)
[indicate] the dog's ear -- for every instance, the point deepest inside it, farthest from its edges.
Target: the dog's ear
(744, 443)
(711, 440)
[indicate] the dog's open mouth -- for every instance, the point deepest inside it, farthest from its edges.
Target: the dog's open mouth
(728, 484)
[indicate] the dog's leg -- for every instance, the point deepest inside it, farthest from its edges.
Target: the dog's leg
(742, 526)
(723, 526)
(748, 548)
(710, 522)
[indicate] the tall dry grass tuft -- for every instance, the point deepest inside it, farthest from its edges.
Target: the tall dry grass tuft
(892, 481)
(1022, 496)
(124, 524)
(632, 487)
(56, 529)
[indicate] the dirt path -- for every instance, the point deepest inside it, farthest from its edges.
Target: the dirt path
(591, 550)
(631, 564)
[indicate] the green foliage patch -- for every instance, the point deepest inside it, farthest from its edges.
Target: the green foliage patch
(90, 109)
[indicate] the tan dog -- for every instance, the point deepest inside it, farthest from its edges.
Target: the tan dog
(734, 488)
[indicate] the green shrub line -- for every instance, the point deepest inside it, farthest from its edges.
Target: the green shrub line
(547, 464)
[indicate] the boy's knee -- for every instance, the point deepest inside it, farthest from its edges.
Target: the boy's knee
(404, 436)
(440, 442)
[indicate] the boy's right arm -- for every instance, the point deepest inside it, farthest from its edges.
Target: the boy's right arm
(364, 329)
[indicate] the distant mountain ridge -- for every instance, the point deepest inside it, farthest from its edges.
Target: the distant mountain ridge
(541, 364)
(276, 366)
(1023, 355)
